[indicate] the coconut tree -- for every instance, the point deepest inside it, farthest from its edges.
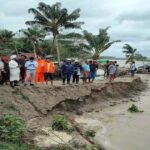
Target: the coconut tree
(6, 38)
(130, 52)
(98, 43)
(33, 36)
(54, 19)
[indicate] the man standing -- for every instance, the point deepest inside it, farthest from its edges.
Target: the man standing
(67, 71)
(133, 69)
(14, 71)
(49, 70)
(39, 74)
(76, 71)
(30, 66)
(93, 69)
(1, 71)
(86, 71)
(22, 62)
(112, 70)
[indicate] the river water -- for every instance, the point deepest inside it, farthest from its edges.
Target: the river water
(118, 129)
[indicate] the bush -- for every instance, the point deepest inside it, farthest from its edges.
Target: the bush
(134, 108)
(90, 133)
(60, 123)
(12, 128)
(16, 146)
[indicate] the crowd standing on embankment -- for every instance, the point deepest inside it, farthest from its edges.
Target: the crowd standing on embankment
(31, 71)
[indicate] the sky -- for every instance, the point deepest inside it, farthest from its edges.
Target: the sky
(129, 19)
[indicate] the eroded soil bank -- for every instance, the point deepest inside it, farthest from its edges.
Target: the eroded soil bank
(37, 105)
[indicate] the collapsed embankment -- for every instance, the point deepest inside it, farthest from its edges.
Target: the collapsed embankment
(36, 105)
(30, 102)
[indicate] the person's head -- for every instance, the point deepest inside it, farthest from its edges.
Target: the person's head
(94, 62)
(133, 62)
(23, 57)
(115, 62)
(76, 61)
(39, 58)
(48, 60)
(86, 62)
(31, 58)
(13, 57)
(68, 61)
(90, 62)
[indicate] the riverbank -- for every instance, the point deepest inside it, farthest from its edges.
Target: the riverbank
(37, 105)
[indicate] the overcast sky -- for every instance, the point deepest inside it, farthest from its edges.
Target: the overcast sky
(129, 19)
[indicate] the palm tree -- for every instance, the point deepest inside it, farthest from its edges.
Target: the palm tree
(6, 38)
(54, 19)
(33, 36)
(130, 52)
(98, 43)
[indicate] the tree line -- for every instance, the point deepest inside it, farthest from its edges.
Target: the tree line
(53, 20)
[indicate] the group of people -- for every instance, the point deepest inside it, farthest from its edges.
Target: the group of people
(31, 70)
(111, 70)
(26, 70)
(74, 70)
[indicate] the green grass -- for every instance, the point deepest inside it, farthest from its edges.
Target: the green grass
(134, 109)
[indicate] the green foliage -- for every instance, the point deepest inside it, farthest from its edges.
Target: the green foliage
(98, 43)
(90, 133)
(12, 128)
(16, 146)
(139, 57)
(92, 147)
(60, 147)
(60, 123)
(130, 52)
(134, 109)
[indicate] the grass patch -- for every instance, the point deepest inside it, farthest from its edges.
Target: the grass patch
(134, 109)
(12, 128)
(90, 133)
(60, 123)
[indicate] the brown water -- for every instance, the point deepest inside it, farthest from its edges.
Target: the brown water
(118, 129)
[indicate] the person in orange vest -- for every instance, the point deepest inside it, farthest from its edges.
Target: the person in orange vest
(49, 70)
(39, 73)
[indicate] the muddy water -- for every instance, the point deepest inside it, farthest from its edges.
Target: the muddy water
(122, 130)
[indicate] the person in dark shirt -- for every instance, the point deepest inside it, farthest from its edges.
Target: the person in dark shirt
(93, 69)
(67, 71)
(22, 62)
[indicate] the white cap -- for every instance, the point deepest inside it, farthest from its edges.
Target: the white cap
(13, 57)
(68, 59)
(76, 60)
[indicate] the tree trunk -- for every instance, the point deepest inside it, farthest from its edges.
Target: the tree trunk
(55, 47)
(95, 56)
(34, 49)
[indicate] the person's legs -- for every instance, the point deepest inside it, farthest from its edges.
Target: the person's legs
(132, 73)
(51, 78)
(32, 73)
(68, 78)
(22, 73)
(64, 76)
(46, 78)
(74, 78)
(12, 84)
(28, 74)
(93, 76)
(41, 77)
(77, 79)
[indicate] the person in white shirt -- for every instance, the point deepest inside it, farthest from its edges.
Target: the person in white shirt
(14, 71)
(1, 70)
(133, 69)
